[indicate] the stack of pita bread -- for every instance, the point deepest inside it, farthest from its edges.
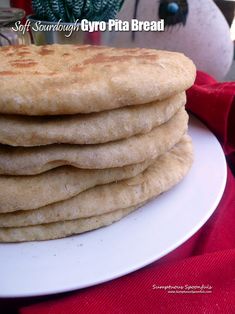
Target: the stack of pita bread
(88, 134)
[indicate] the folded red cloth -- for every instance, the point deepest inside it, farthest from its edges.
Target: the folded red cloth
(208, 258)
(213, 103)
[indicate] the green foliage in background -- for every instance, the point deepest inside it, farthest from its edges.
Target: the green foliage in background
(72, 10)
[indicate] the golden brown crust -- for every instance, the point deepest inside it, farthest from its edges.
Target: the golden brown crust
(69, 79)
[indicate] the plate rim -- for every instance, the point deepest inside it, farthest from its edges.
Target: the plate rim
(129, 269)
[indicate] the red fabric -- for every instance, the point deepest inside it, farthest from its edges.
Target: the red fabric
(208, 258)
(22, 4)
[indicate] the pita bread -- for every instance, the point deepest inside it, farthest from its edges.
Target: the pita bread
(163, 174)
(58, 184)
(70, 79)
(93, 128)
(136, 149)
(62, 229)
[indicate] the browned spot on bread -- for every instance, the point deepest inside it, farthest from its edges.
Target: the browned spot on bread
(6, 48)
(42, 73)
(19, 47)
(23, 53)
(23, 63)
(10, 54)
(13, 48)
(77, 68)
(66, 54)
(45, 52)
(22, 60)
(102, 58)
(6, 73)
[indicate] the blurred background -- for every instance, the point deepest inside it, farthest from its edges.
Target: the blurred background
(228, 9)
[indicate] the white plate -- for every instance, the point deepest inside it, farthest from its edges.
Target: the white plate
(40, 268)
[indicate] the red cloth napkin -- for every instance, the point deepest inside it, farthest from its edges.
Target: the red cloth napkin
(208, 258)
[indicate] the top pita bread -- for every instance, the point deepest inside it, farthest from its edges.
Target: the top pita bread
(69, 79)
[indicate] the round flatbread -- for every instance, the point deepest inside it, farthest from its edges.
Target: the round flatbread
(94, 128)
(62, 229)
(58, 184)
(71, 79)
(136, 149)
(164, 173)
